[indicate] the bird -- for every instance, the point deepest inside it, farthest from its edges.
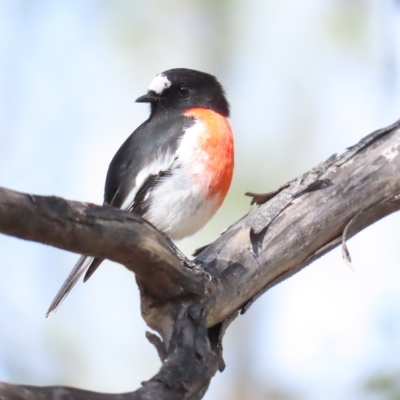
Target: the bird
(176, 168)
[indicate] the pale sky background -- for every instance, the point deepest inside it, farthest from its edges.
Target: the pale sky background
(305, 79)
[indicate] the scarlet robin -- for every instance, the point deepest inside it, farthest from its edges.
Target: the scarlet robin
(176, 168)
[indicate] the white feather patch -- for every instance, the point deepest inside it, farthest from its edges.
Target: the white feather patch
(159, 84)
(178, 206)
(162, 162)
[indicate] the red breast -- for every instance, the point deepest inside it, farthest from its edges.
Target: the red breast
(217, 143)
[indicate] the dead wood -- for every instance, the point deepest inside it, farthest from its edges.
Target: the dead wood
(192, 307)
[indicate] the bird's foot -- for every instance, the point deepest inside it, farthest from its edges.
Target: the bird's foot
(191, 264)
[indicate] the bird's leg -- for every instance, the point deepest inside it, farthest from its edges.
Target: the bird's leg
(186, 262)
(182, 258)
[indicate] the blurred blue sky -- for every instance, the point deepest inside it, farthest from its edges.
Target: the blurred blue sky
(305, 80)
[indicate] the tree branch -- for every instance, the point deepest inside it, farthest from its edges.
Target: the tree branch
(191, 308)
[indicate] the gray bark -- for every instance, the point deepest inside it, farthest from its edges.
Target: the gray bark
(191, 307)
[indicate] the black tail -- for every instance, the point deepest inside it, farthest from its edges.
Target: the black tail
(84, 263)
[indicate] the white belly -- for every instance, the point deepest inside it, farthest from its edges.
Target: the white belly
(178, 207)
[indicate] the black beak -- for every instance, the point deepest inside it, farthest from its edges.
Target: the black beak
(149, 97)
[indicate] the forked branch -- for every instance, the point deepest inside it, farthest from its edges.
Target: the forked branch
(191, 308)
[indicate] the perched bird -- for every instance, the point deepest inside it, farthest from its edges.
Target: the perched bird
(176, 168)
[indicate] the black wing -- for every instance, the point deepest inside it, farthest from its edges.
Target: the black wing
(141, 204)
(155, 137)
(158, 138)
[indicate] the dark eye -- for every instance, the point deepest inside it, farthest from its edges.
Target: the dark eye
(183, 91)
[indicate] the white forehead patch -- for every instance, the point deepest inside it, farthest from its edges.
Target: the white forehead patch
(159, 84)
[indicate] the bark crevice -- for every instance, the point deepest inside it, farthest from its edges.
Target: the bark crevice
(191, 308)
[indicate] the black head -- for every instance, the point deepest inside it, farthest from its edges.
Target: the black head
(181, 88)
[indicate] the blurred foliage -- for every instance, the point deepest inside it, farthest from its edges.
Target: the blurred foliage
(348, 22)
(303, 83)
(157, 31)
(385, 385)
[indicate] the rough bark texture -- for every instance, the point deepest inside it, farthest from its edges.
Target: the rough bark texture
(192, 307)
